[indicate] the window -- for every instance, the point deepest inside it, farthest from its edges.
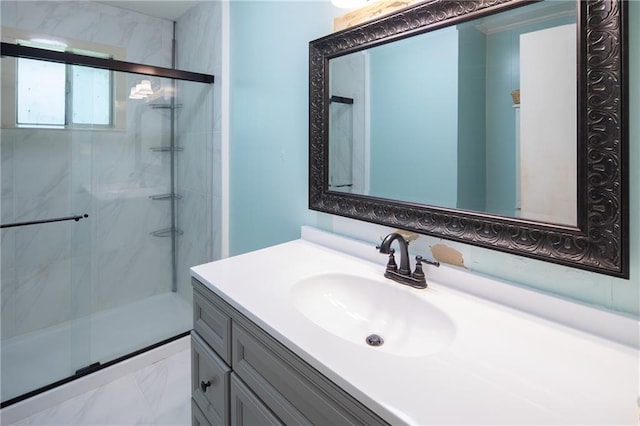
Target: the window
(91, 96)
(58, 95)
(41, 93)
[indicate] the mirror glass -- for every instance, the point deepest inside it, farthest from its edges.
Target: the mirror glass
(477, 116)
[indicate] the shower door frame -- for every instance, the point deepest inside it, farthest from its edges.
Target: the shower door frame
(18, 51)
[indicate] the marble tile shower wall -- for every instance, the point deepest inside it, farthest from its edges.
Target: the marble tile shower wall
(147, 40)
(199, 130)
(56, 272)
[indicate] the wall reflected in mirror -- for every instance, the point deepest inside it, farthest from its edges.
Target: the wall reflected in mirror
(479, 116)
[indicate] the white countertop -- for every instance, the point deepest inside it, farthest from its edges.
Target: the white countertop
(504, 366)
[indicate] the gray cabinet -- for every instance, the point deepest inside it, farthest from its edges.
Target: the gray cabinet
(247, 409)
(243, 376)
(209, 382)
(197, 416)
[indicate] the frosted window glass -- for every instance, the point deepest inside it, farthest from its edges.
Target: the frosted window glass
(41, 92)
(91, 98)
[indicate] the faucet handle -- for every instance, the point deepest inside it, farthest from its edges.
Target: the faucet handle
(418, 273)
(420, 259)
(391, 264)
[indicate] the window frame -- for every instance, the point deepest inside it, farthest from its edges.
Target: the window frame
(118, 84)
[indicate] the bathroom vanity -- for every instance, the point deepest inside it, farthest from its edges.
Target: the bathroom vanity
(242, 375)
(280, 337)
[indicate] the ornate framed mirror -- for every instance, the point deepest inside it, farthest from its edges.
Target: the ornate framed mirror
(497, 123)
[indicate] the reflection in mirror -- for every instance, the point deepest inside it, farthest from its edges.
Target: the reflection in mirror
(478, 116)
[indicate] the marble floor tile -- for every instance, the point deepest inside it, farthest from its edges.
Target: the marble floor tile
(178, 416)
(117, 403)
(166, 386)
(158, 394)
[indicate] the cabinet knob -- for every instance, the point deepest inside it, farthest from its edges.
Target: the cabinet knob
(204, 385)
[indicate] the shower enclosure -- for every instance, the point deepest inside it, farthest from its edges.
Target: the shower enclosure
(106, 191)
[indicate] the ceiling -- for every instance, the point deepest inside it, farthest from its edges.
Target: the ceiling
(165, 9)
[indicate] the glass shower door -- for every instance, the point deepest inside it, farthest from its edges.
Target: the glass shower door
(42, 263)
(81, 294)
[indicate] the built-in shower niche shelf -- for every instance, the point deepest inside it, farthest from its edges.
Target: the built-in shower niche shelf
(166, 197)
(165, 106)
(167, 232)
(166, 149)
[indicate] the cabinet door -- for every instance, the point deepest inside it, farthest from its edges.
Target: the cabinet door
(209, 382)
(247, 409)
(197, 417)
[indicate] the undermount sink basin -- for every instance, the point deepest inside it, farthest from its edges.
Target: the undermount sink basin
(354, 308)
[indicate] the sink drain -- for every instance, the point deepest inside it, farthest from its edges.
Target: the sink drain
(374, 340)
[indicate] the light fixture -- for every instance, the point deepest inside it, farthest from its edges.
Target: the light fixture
(49, 42)
(141, 90)
(135, 95)
(43, 43)
(144, 88)
(349, 4)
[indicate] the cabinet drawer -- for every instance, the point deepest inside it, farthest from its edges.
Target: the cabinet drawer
(292, 389)
(210, 322)
(247, 409)
(209, 382)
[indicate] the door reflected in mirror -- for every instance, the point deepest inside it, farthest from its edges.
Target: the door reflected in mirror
(479, 116)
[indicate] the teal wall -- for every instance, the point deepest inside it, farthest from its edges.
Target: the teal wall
(269, 156)
(414, 141)
(268, 138)
(471, 144)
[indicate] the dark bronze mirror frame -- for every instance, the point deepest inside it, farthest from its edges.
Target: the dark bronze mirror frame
(600, 241)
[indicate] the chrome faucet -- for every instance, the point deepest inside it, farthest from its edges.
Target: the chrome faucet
(403, 274)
